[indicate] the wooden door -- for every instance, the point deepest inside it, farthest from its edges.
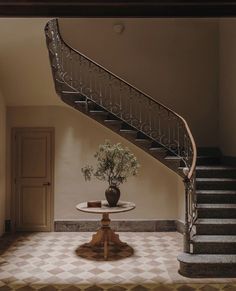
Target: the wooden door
(32, 162)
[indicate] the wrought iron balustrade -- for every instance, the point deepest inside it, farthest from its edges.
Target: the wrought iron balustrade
(142, 112)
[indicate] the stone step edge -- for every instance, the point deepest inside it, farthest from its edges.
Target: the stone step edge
(215, 239)
(215, 206)
(215, 221)
(207, 259)
(215, 168)
(216, 192)
(211, 180)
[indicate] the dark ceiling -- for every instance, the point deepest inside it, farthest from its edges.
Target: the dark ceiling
(117, 8)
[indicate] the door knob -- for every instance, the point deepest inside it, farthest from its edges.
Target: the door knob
(47, 184)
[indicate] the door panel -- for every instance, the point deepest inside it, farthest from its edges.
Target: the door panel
(33, 168)
(32, 158)
(29, 196)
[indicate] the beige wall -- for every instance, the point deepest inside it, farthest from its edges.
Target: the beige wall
(155, 190)
(227, 92)
(2, 162)
(25, 74)
(173, 60)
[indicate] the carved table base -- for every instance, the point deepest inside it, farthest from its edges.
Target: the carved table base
(105, 236)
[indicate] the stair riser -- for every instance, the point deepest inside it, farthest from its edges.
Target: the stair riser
(216, 229)
(215, 174)
(207, 270)
(216, 185)
(209, 151)
(216, 199)
(216, 213)
(214, 248)
(208, 161)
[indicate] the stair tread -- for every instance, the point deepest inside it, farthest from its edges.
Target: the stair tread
(98, 111)
(215, 167)
(143, 140)
(216, 221)
(113, 120)
(216, 206)
(215, 180)
(172, 158)
(70, 92)
(81, 101)
(128, 130)
(214, 239)
(157, 149)
(217, 192)
(207, 258)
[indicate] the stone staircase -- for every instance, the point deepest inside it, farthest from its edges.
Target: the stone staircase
(213, 247)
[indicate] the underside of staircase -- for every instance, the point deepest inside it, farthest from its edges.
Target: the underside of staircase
(210, 186)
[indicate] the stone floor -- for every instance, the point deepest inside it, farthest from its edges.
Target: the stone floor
(49, 262)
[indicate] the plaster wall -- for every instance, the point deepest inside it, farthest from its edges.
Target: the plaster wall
(227, 86)
(155, 190)
(173, 60)
(2, 163)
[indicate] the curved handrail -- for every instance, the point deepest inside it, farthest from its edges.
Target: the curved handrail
(55, 34)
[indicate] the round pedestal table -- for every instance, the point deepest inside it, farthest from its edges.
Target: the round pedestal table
(105, 235)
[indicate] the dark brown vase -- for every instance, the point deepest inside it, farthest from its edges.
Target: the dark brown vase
(112, 195)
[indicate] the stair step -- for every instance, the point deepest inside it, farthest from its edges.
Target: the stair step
(207, 265)
(173, 158)
(209, 151)
(208, 160)
(113, 121)
(217, 171)
(143, 140)
(216, 184)
(216, 210)
(124, 130)
(215, 167)
(98, 112)
(216, 206)
(214, 244)
(70, 92)
(155, 151)
(215, 226)
(216, 196)
(73, 96)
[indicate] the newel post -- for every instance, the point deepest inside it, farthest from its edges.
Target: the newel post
(186, 181)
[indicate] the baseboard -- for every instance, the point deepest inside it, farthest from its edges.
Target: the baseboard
(117, 225)
(179, 226)
(228, 160)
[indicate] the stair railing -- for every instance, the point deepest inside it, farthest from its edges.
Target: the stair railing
(142, 112)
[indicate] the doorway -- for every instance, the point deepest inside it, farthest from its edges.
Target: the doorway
(32, 179)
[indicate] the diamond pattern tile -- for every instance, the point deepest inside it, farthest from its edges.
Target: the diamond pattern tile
(50, 262)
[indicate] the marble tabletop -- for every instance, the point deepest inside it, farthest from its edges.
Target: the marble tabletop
(122, 206)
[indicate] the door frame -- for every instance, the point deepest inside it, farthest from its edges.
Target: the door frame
(12, 191)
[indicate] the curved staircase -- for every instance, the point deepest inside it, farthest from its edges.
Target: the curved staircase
(210, 187)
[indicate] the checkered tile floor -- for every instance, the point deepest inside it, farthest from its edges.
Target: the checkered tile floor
(48, 262)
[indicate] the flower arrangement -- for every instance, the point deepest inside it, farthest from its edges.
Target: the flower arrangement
(115, 164)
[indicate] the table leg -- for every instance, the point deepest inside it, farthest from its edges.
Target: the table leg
(105, 235)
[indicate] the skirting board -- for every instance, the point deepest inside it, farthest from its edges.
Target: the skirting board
(120, 225)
